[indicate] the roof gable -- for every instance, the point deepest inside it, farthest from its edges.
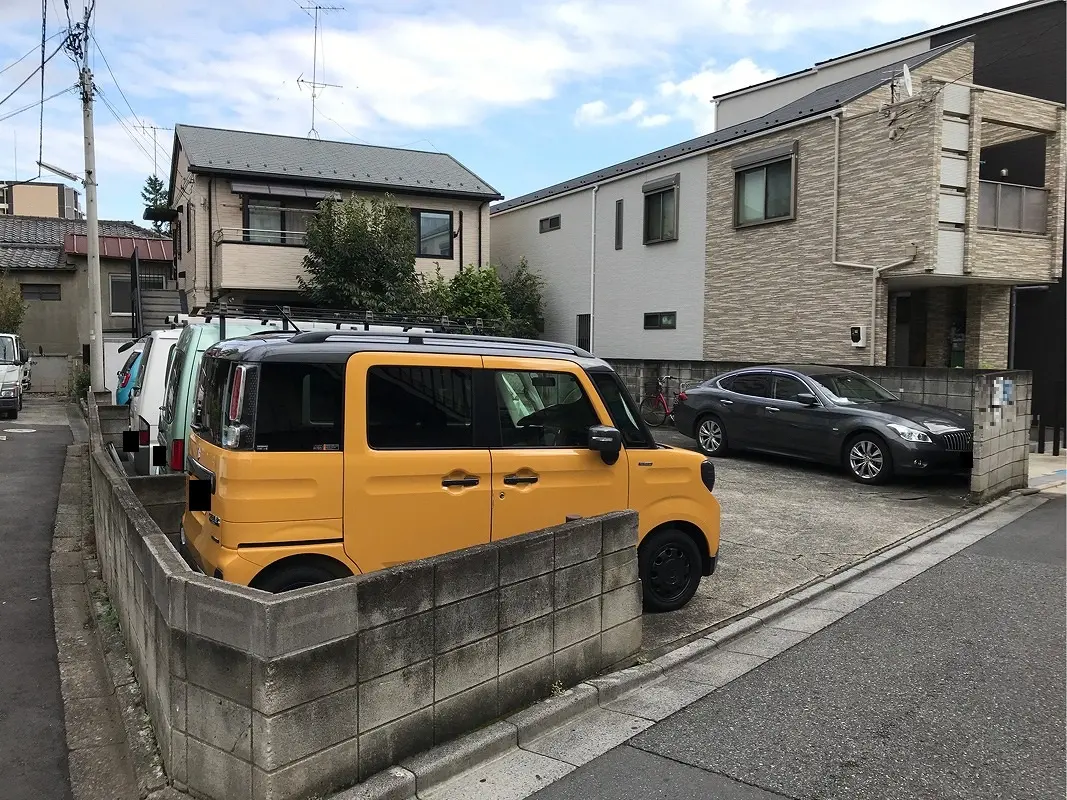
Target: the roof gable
(821, 101)
(216, 150)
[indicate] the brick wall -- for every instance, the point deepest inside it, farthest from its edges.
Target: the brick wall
(286, 696)
(1001, 433)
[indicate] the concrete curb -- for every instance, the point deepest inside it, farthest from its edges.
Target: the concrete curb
(137, 756)
(438, 765)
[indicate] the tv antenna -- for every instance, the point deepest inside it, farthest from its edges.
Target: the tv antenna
(908, 86)
(315, 84)
(155, 147)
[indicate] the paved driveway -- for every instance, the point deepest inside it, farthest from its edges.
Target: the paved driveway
(32, 737)
(785, 524)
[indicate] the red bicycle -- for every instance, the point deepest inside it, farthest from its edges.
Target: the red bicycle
(654, 408)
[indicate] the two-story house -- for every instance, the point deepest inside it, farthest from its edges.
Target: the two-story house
(240, 203)
(860, 205)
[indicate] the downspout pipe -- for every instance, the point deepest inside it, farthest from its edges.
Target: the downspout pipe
(875, 271)
(210, 239)
(481, 207)
(592, 269)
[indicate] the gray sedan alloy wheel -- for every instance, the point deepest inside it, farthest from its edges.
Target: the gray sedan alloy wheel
(866, 460)
(710, 436)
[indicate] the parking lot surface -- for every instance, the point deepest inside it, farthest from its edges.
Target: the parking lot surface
(786, 523)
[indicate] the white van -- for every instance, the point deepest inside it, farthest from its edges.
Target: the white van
(148, 394)
(14, 374)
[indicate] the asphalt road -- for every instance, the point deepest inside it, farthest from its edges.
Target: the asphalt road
(33, 748)
(949, 686)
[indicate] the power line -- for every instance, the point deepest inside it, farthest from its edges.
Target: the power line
(122, 123)
(29, 53)
(29, 77)
(36, 103)
(40, 124)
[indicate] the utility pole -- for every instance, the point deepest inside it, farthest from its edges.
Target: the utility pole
(96, 333)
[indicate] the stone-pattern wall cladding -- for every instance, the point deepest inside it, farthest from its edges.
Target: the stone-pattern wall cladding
(938, 307)
(951, 388)
(988, 319)
(278, 697)
(1001, 433)
(771, 291)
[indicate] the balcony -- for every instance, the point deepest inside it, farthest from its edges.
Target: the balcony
(1011, 208)
(250, 258)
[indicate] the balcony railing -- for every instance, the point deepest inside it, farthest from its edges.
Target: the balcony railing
(260, 236)
(1012, 208)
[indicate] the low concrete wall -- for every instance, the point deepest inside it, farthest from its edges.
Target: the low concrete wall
(951, 388)
(1002, 403)
(52, 372)
(285, 696)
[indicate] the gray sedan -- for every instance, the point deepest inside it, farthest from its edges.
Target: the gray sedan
(824, 414)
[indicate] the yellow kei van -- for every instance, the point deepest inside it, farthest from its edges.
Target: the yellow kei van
(326, 454)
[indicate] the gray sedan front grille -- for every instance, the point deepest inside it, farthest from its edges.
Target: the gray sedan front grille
(957, 441)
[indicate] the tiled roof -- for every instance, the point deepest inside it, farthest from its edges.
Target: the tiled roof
(215, 150)
(818, 102)
(52, 230)
(31, 256)
(122, 247)
(38, 242)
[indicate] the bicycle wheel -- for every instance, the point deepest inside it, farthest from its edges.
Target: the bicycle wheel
(652, 411)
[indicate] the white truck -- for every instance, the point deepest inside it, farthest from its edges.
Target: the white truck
(14, 374)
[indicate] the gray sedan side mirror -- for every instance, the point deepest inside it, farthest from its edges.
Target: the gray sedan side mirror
(808, 399)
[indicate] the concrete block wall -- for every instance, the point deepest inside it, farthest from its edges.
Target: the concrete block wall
(254, 695)
(951, 388)
(1001, 434)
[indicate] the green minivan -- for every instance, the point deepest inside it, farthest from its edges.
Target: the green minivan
(181, 382)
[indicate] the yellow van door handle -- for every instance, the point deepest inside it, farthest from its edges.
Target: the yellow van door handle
(468, 481)
(516, 480)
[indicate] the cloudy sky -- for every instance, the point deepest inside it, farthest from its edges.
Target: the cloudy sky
(524, 92)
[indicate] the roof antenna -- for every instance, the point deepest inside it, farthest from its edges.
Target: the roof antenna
(314, 83)
(284, 310)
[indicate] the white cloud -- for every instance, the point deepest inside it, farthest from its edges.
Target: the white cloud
(692, 97)
(654, 120)
(596, 113)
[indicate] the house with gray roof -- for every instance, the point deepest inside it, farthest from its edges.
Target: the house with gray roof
(241, 200)
(46, 257)
(787, 236)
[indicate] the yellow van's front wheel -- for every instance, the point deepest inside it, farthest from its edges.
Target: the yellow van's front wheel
(670, 565)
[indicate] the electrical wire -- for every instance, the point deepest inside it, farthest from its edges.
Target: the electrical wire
(36, 103)
(40, 124)
(159, 148)
(29, 53)
(29, 77)
(122, 123)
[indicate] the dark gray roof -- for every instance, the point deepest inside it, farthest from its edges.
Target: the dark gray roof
(31, 256)
(216, 150)
(35, 243)
(818, 102)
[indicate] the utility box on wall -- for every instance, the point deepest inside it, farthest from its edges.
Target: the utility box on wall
(858, 335)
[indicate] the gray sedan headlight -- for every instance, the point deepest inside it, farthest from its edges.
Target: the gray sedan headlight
(910, 434)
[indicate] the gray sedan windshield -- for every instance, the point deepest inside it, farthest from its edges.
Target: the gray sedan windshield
(847, 390)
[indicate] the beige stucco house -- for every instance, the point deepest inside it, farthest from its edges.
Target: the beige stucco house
(241, 202)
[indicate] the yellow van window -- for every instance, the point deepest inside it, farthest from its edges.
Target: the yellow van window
(543, 409)
(419, 408)
(302, 409)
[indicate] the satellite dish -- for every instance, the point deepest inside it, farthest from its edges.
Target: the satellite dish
(907, 82)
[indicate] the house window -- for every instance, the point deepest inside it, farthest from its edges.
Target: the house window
(433, 233)
(549, 224)
(120, 304)
(583, 335)
(618, 224)
(275, 221)
(661, 321)
(40, 291)
(764, 186)
(661, 209)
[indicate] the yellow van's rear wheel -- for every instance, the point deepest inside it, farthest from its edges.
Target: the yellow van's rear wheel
(670, 565)
(297, 572)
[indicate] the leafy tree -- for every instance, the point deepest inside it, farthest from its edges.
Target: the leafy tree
(476, 292)
(523, 293)
(361, 255)
(12, 306)
(154, 195)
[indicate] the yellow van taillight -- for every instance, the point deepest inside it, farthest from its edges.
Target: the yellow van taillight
(237, 392)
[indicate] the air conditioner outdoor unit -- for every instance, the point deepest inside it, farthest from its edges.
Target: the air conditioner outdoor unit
(858, 335)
